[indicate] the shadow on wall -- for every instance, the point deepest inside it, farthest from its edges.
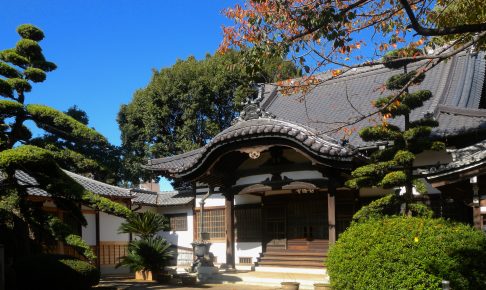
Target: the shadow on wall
(247, 246)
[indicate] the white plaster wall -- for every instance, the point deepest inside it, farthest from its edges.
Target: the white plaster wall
(219, 250)
(109, 228)
(247, 199)
(180, 238)
(303, 174)
(88, 233)
(216, 199)
(247, 249)
(252, 179)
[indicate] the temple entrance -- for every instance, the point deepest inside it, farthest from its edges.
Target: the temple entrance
(295, 222)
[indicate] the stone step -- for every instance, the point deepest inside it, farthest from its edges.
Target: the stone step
(303, 264)
(296, 253)
(273, 276)
(292, 258)
(292, 270)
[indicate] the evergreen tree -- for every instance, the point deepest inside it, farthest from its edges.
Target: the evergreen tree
(24, 226)
(184, 106)
(393, 166)
(99, 161)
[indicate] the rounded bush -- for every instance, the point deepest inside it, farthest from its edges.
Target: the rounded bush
(55, 272)
(28, 48)
(30, 31)
(408, 253)
(35, 74)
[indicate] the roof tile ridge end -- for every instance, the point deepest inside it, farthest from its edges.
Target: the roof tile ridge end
(94, 180)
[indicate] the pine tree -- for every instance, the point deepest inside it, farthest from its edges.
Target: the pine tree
(393, 166)
(24, 226)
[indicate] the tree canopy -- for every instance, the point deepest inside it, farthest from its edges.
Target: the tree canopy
(331, 35)
(98, 162)
(24, 226)
(185, 105)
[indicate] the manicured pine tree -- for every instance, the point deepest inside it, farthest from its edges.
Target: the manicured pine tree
(392, 167)
(24, 226)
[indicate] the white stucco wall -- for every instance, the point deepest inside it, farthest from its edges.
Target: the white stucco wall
(88, 233)
(180, 238)
(218, 249)
(216, 199)
(109, 228)
(247, 249)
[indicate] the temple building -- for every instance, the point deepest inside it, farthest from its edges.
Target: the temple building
(270, 188)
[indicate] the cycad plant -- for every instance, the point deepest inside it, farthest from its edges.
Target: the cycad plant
(149, 252)
(144, 225)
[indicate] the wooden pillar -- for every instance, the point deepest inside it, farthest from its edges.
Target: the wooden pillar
(476, 203)
(230, 230)
(331, 209)
(97, 225)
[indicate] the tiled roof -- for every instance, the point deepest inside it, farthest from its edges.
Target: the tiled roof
(254, 129)
(99, 187)
(164, 198)
(92, 185)
(457, 87)
(468, 157)
(455, 83)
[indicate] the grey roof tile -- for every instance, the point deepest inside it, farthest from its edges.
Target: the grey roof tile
(343, 100)
(471, 156)
(334, 104)
(92, 185)
(163, 198)
(255, 128)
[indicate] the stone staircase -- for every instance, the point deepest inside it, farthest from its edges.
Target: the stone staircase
(292, 261)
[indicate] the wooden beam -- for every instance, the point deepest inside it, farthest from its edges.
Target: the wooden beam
(331, 210)
(230, 230)
(97, 225)
(477, 217)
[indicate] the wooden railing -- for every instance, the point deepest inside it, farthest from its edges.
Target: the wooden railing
(111, 252)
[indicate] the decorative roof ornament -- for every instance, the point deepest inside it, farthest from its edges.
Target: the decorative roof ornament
(252, 107)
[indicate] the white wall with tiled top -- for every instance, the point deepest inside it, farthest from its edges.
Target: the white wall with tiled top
(88, 232)
(109, 225)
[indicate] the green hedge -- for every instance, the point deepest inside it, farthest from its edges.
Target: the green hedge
(55, 272)
(408, 253)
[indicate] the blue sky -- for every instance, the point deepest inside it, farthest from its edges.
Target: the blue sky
(105, 50)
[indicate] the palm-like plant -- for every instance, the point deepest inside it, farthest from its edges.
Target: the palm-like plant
(149, 254)
(145, 224)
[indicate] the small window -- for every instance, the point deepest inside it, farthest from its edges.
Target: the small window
(214, 223)
(245, 260)
(178, 222)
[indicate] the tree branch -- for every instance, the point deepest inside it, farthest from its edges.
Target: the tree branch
(466, 28)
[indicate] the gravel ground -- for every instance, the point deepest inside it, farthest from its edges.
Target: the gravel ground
(122, 283)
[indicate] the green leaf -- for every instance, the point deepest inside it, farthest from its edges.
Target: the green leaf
(35, 74)
(28, 48)
(8, 71)
(59, 123)
(29, 31)
(20, 85)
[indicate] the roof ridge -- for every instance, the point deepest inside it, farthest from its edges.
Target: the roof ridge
(95, 181)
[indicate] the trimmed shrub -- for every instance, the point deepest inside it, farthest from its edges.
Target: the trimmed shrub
(55, 272)
(408, 253)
